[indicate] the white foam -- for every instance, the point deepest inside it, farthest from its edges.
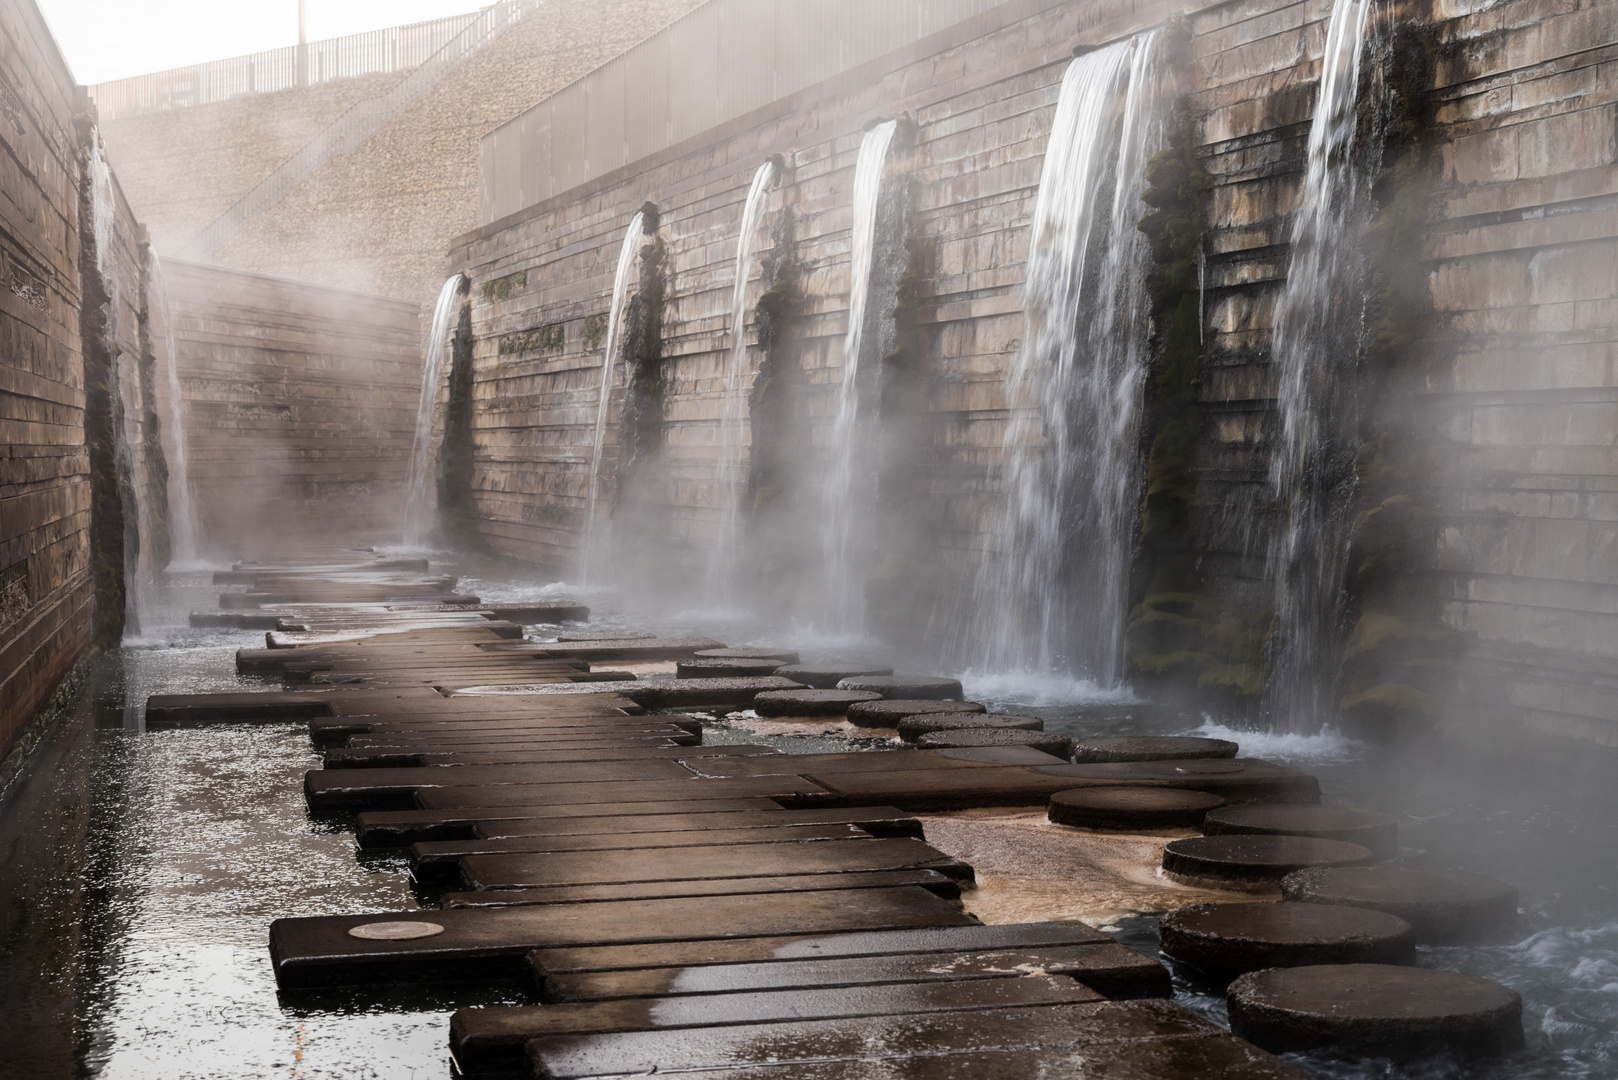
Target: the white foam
(1328, 744)
(1043, 688)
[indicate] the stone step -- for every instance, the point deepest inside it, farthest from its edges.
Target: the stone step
(800, 791)
(931, 880)
(379, 789)
(400, 828)
(876, 820)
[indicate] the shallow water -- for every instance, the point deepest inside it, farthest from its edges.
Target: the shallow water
(139, 872)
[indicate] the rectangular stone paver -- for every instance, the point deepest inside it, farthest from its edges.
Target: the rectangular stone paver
(876, 820)
(328, 789)
(398, 828)
(931, 880)
(802, 792)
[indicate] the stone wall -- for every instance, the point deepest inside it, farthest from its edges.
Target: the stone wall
(1494, 320)
(300, 407)
(377, 220)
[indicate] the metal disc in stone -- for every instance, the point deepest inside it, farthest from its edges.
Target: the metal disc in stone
(1375, 1010)
(929, 687)
(1445, 908)
(963, 738)
(1166, 748)
(888, 713)
(785, 656)
(1226, 940)
(725, 668)
(1131, 808)
(912, 728)
(1379, 832)
(809, 702)
(395, 931)
(827, 676)
(1253, 863)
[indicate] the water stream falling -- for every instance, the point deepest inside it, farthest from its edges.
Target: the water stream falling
(1051, 589)
(628, 256)
(420, 501)
(185, 530)
(103, 226)
(1315, 350)
(845, 497)
(734, 421)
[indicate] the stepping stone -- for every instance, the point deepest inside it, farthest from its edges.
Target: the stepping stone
(931, 880)
(421, 757)
(488, 943)
(876, 820)
(400, 828)
(885, 761)
(696, 863)
(1445, 908)
(887, 714)
(790, 786)
(810, 702)
(439, 859)
(1161, 748)
(604, 635)
(963, 738)
(1375, 1010)
(1109, 969)
(544, 963)
(1227, 940)
(492, 1039)
(1379, 832)
(914, 727)
(839, 1045)
(1130, 809)
(1253, 863)
(918, 790)
(827, 676)
(335, 789)
(785, 656)
(1243, 780)
(896, 687)
(715, 668)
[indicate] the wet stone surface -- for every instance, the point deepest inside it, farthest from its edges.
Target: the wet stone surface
(1159, 748)
(1376, 1010)
(725, 668)
(1379, 832)
(1131, 808)
(1253, 863)
(962, 738)
(1444, 907)
(914, 727)
(810, 702)
(783, 656)
(827, 676)
(927, 687)
(890, 713)
(1226, 940)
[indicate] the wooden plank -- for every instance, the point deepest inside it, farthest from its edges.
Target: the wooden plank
(931, 880)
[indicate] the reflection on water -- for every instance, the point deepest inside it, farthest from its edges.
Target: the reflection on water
(141, 870)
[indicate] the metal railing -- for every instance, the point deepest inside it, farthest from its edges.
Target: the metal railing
(375, 52)
(355, 127)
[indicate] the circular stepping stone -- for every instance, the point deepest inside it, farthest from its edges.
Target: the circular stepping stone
(912, 728)
(827, 676)
(1445, 908)
(809, 702)
(1375, 1010)
(784, 656)
(1167, 748)
(1131, 808)
(966, 738)
(888, 714)
(927, 687)
(1253, 863)
(1240, 781)
(395, 931)
(737, 668)
(1379, 832)
(1227, 940)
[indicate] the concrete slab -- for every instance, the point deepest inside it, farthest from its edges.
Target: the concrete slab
(487, 943)
(876, 820)
(400, 828)
(802, 792)
(695, 863)
(343, 789)
(931, 880)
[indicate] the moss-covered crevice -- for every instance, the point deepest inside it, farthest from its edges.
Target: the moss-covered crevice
(1399, 664)
(1177, 634)
(456, 510)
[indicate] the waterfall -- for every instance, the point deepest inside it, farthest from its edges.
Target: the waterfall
(1315, 350)
(733, 421)
(1052, 585)
(846, 491)
(103, 227)
(628, 255)
(185, 530)
(420, 496)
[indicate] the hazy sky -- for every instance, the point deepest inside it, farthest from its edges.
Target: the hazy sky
(112, 39)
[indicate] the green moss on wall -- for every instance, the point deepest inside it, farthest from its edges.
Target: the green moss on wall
(503, 288)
